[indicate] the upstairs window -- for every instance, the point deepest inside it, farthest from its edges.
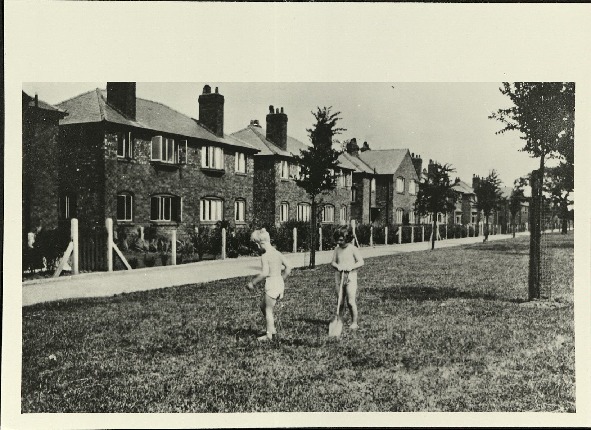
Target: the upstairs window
(328, 213)
(284, 169)
(165, 208)
(212, 157)
(240, 162)
(400, 185)
(124, 145)
(124, 207)
(295, 171)
(412, 187)
(167, 150)
(303, 212)
(284, 212)
(239, 210)
(212, 209)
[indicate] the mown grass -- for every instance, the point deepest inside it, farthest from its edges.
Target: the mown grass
(443, 330)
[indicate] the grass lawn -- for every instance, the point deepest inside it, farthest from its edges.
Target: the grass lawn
(443, 330)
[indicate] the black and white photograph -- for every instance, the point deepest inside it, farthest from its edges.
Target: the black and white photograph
(258, 233)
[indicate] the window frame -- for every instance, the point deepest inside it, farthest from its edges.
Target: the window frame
(167, 203)
(284, 212)
(400, 180)
(324, 213)
(240, 163)
(206, 201)
(304, 211)
(343, 214)
(284, 169)
(126, 196)
(125, 141)
(174, 151)
(399, 215)
(67, 206)
(212, 157)
(412, 187)
(239, 209)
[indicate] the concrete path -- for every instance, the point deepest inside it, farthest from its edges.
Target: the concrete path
(102, 284)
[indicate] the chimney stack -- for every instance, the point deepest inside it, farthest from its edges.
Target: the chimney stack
(352, 147)
(417, 162)
(365, 147)
(277, 127)
(211, 110)
(475, 182)
(121, 96)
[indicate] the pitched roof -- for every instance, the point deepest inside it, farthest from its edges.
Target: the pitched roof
(463, 188)
(384, 161)
(41, 104)
(93, 107)
(359, 164)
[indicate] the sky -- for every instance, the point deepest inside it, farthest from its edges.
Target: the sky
(445, 122)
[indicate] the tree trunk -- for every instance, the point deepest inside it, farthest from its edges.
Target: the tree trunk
(485, 228)
(564, 215)
(433, 232)
(313, 234)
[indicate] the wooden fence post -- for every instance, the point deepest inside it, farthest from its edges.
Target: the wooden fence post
(109, 225)
(173, 246)
(320, 238)
(423, 233)
(371, 235)
(412, 234)
(446, 231)
(223, 243)
(142, 233)
(74, 233)
(386, 235)
(399, 235)
(295, 239)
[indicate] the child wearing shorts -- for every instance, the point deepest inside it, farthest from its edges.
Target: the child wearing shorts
(346, 260)
(275, 269)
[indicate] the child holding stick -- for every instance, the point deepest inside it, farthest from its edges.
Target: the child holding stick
(346, 260)
(273, 264)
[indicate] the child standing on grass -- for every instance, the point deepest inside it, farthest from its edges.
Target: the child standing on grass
(272, 264)
(346, 260)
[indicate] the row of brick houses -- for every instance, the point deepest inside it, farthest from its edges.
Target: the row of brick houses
(108, 154)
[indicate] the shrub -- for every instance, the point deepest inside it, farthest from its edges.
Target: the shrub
(164, 258)
(133, 262)
(202, 241)
(149, 260)
(393, 233)
(363, 232)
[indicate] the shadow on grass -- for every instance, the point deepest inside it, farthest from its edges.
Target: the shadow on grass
(438, 294)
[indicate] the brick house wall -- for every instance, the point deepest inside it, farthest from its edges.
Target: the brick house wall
(96, 175)
(360, 208)
(404, 200)
(264, 189)
(40, 177)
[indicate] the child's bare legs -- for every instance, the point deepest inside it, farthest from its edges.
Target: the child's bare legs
(352, 300)
(267, 305)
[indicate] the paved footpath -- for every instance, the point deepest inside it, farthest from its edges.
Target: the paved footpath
(103, 284)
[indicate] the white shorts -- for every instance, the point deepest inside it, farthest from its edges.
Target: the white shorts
(274, 287)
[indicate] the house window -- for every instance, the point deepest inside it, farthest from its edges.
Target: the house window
(353, 194)
(348, 179)
(328, 213)
(439, 217)
(474, 218)
(284, 169)
(240, 162)
(342, 179)
(412, 187)
(211, 209)
(303, 212)
(67, 206)
(399, 214)
(124, 207)
(167, 150)
(411, 217)
(458, 219)
(297, 171)
(212, 157)
(124, 145)
(284, 212)
(400, 185)
(165, 208)
(343, 215)
(372, 185)
(239, 209)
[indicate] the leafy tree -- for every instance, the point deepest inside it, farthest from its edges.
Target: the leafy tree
(318, 166)
(436, 194)
(515, 200)
(488, 197)
(559, 183)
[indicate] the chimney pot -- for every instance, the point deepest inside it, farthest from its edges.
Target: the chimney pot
(206, 89)
(282, 109)
(216, 90)
(271, 109)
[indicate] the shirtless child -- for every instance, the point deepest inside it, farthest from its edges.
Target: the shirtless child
(272, 264)
(346, 260)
